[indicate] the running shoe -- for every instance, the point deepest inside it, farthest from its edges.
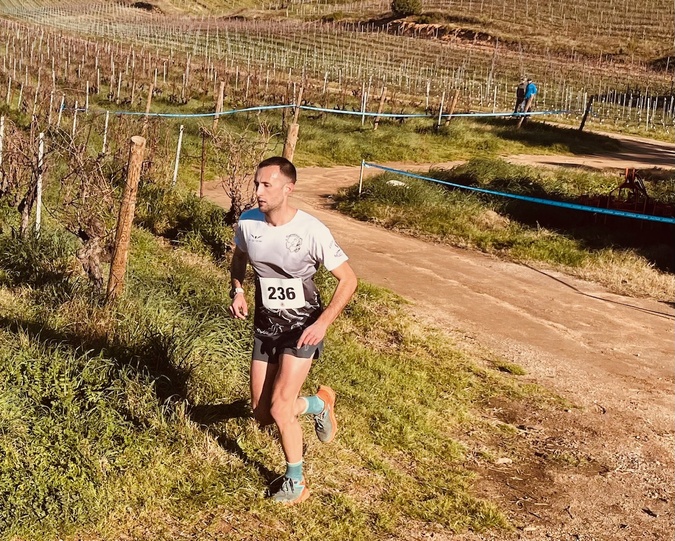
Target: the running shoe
(325, 423)
(291, 492)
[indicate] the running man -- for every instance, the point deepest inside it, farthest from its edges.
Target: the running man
(285, 246)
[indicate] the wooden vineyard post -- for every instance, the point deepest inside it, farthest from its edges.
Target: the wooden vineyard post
(38, 189)
(105, 133)
(203, 163)
(74, 120)
(364, 102)
(51, 106)
(293, 130)
(380, 107)
(148, 104)
(589, 105)
(440, 112)
(453, 104)
(118, 267)
(58, 119)
(2, 140)
(219, 106)
(175, 165)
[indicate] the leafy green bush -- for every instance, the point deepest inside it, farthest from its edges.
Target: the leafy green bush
(406, 8)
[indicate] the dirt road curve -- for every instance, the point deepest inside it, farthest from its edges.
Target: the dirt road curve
(611, 357)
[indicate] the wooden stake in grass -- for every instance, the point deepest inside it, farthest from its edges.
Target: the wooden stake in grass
(105, 133)
(293, 130)
(148, 104)
(58, 118)
(203, 163)
(380, 107)
(74, 120)
(589, 105)
(453, 104)
(118, 267)
(219, 106)
(2, 140)
(178, 147)
(440, 112)
(38, 188)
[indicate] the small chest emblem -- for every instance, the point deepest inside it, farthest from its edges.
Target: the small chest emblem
(293, 243)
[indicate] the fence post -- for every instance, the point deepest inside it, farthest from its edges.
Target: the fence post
(219, 107)
(453, 104)
(293, 130)
(175, 167)
(440, 112)
(148, 104)
(38, 188)
(363, 162)
(105, 133)
(589, 105)
(203, 163)
(58, 119)
(2, 139)
(380, 107)
(118, 266)
(74, 120)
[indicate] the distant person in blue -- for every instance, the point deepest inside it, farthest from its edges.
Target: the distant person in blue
(530, 93)
(520, 95)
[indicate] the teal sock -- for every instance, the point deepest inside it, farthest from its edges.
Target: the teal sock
(294, 471)
(314, 405)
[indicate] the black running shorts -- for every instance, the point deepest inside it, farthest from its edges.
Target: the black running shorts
(270, 348)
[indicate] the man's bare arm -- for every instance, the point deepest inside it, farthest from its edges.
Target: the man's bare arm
(346, 287)
(238, 308)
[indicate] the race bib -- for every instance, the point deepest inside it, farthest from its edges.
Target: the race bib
(282, 293)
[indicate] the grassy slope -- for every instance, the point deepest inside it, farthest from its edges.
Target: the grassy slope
(130, 421)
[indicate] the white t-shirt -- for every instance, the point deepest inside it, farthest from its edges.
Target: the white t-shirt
(285, 259)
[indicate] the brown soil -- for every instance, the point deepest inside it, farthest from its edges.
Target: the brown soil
(600, 469)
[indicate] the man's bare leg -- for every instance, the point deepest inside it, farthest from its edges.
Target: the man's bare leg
(286, 406)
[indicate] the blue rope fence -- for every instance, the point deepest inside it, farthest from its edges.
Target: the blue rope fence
(318, 109)
(537, 200)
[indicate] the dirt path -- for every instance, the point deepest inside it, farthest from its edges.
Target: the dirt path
(603, 469)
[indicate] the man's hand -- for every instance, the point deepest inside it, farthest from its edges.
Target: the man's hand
(313, 334)
(239, 308)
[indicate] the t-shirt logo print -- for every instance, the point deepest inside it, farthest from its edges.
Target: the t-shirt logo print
(338, 250)
(293, 243)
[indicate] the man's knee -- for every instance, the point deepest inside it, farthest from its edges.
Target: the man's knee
(281, 412)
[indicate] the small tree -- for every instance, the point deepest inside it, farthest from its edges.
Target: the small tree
(406, 8)
(237, 156)
(87, 202)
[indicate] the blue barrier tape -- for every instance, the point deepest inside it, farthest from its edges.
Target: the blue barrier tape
(425, 115)
(199, 115)
(318, 109)
(551, 202)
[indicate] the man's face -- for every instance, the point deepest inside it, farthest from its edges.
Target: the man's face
(271, 188)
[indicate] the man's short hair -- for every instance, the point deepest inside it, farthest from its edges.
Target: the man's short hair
(285, 166)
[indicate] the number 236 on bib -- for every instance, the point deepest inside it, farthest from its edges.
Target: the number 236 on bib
(282, 293)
